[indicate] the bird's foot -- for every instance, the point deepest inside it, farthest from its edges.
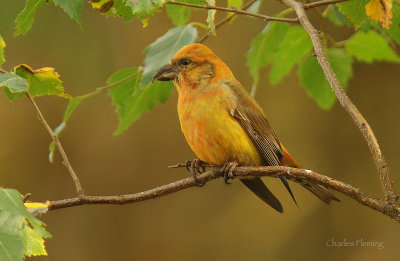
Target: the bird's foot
(196, 167)
(227, 171)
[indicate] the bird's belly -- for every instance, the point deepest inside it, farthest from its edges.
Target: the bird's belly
(217, 138)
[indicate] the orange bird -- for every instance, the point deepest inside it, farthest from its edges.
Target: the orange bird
(223, 124)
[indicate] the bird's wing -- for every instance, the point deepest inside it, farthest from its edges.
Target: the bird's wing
(257, 127)
(260, 132)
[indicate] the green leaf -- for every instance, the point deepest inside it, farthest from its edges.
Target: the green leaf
(312, 77)
(44, 81)
(263, 46)
(131, 100)
(234, 4)
(394, 30)
(67, 114)
(11, 247)
(13, 82)
(355, 11)
(72, 8)
(369, 47)
(337, 17)
(163, 49)
(254, 8)
(24, 19)
(18, 225)
(71, 107)
(144, 9)
(2, 46)
(296, 44)
(121, 8)
(180, 14)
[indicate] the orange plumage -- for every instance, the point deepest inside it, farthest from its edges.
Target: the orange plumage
(222, 123)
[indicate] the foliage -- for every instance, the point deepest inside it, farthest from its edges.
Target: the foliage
(280, 47)
(20, 232)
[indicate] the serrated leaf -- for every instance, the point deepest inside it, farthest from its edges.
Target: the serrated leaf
(180, 14)
(2, 46)
(163, 49)
(394, 30)
(72, 8)
(13, 82)
(24, 19)
(21, 226)
(312, 77)
(354, 11)
(144, 9)
(296, 44)
(131, 100)
(44, 81)
(369, 47)
(263, 46)
(121, 8)
(211, 17)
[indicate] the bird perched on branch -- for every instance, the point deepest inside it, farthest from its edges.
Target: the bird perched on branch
(223, 124)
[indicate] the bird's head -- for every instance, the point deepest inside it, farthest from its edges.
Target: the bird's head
(192, 67)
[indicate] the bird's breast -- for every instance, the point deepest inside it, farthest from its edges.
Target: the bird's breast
(212, 133)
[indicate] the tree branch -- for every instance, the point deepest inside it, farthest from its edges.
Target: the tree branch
(386, 208)
(381, 165)
(238, 11)
(226, 20)
(67, 164)
(321, 3)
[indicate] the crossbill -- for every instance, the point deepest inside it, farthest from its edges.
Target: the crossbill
(223, 124)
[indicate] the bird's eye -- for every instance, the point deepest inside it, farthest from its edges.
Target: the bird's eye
(186, 62)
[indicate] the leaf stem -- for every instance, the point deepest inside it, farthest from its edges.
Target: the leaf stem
(105, 87)
(201, 25)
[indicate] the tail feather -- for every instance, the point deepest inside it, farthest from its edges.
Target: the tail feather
(257, 186)
(286, 184)
(319, 192)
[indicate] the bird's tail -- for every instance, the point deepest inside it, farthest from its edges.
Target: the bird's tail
(257, 186)
(319, 191)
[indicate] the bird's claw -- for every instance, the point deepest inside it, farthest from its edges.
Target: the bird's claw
(227, 171)
(195, 167)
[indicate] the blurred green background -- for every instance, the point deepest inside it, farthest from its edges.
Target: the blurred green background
(214, 222)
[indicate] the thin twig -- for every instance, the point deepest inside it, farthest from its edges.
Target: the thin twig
(237, 11)
(105, 87)
(321, 3)
(67, 164)
(383, 169)
(3, 71)
(226, 20)
(393, 211)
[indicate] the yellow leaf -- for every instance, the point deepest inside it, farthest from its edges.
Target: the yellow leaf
(380, 10)
(102, 5)
(36, 208)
